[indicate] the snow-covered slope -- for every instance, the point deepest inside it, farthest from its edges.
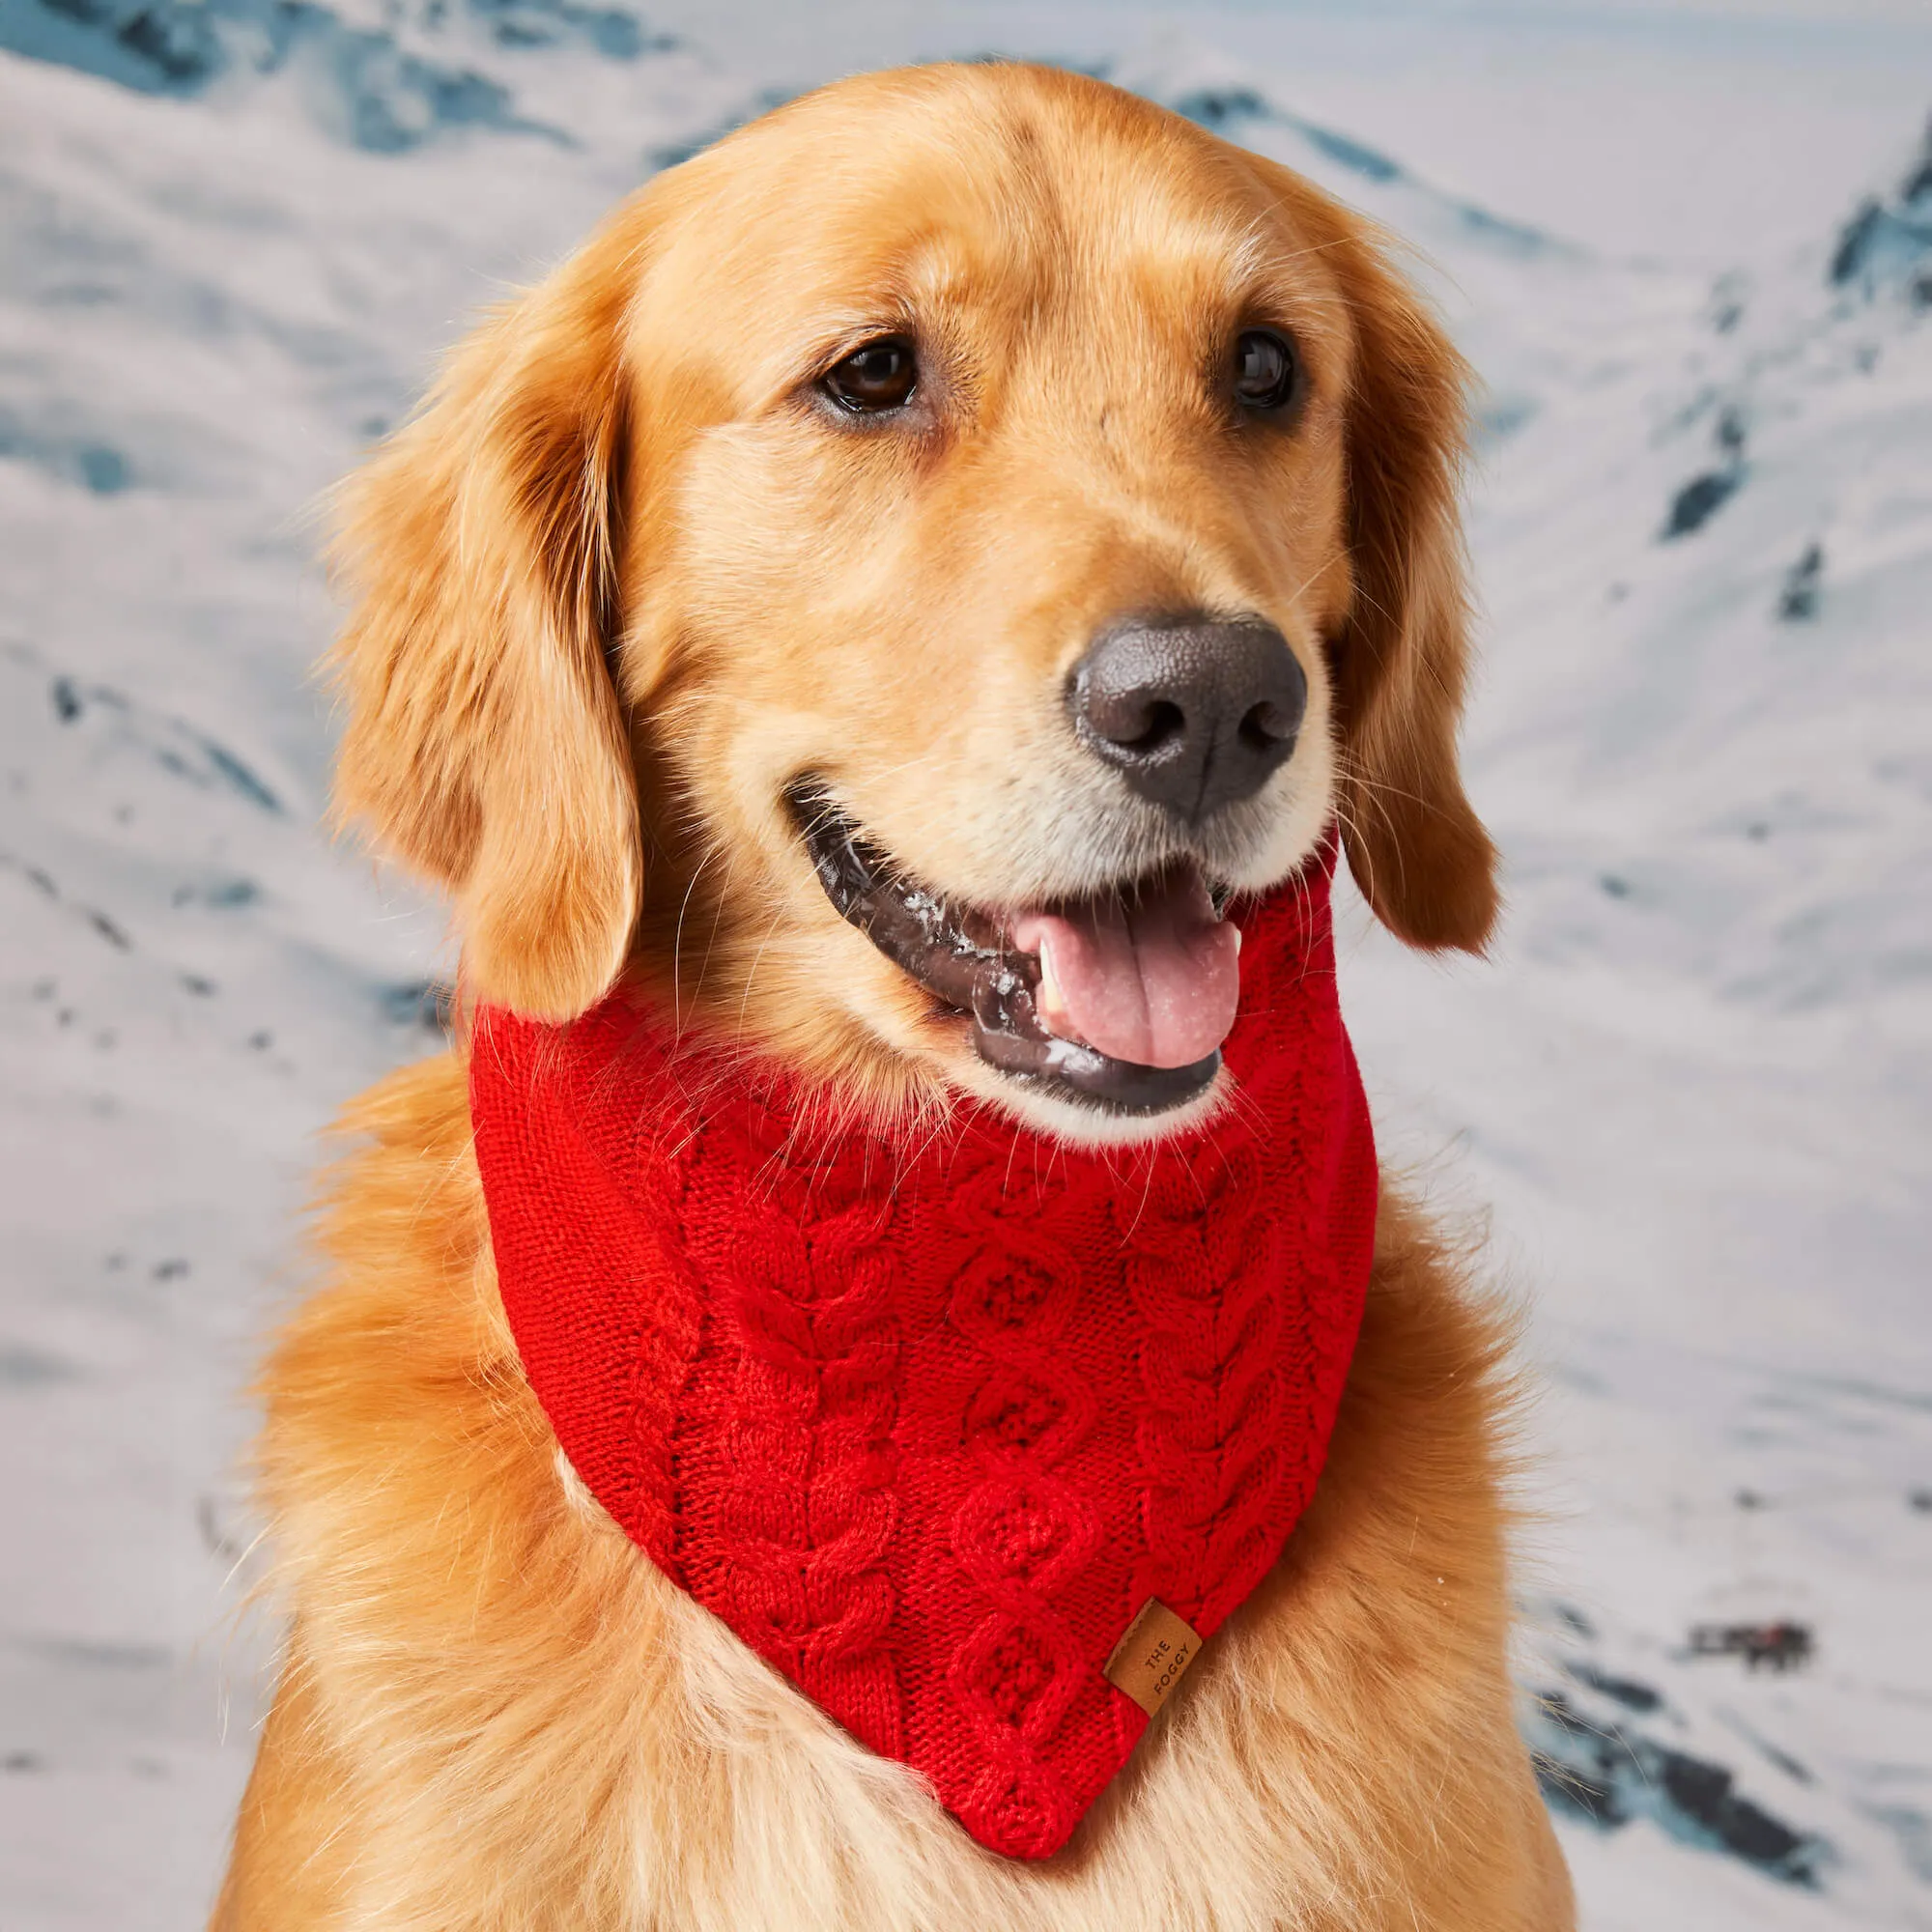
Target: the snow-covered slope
(1691, 1096)
(1697, 1086)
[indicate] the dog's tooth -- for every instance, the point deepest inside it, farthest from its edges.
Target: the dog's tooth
(1047, 1003)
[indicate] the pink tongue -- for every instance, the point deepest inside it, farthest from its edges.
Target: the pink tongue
(1156, 983)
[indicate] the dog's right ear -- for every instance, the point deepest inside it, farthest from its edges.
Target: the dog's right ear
(485, 745)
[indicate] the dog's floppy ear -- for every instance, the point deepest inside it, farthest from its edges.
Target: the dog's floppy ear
(1418, 852)
(484, 744)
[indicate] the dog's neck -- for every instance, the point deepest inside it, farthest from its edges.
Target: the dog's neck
(975, 1436)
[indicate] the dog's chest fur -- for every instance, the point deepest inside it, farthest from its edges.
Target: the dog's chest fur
(497, 1714)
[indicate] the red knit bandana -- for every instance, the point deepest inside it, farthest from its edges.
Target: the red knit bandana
(928, 1422)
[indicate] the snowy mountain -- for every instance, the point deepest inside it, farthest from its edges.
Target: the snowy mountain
(1688, 1102)
(1697, 1086)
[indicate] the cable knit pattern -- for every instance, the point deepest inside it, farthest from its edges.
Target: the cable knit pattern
(927, 1421)
(793, 1508)
(1022, 1532)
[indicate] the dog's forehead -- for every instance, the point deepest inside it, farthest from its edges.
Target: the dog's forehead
(1007, 193)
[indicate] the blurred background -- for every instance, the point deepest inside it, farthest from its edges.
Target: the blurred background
(1688, 249)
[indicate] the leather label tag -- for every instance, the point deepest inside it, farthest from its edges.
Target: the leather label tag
(1148, 1661)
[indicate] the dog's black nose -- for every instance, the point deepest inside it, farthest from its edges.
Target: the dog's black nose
(1195, 711)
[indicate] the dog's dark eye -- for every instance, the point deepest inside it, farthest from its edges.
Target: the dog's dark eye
(880, 375)
(1263, 369)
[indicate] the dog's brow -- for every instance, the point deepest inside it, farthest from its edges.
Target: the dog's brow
(817, 339)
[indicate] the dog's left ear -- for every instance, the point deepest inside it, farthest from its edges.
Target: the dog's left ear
(1416, 847)
(485, 744)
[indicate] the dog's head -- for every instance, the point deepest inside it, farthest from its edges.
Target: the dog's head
(902, 573)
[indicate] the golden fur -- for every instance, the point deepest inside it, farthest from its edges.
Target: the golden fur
(621, 582)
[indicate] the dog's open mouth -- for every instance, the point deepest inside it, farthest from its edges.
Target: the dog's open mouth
(1121, 1000)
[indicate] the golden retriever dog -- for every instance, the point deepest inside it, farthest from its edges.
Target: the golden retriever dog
(829, 458)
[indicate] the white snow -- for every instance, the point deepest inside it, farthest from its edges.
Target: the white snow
(1689, 1100)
